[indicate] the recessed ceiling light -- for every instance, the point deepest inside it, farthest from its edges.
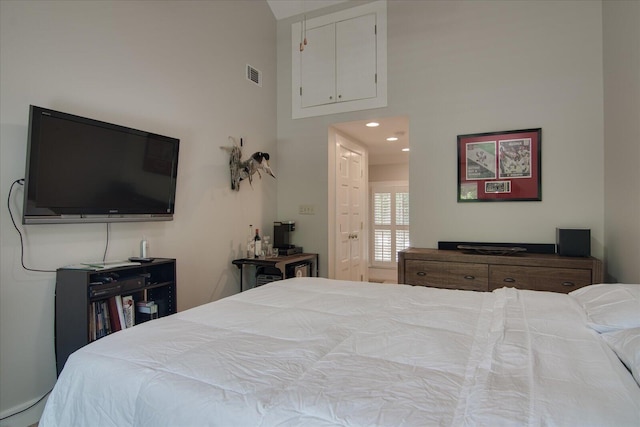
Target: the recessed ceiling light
(372, 124)
(392, 138)
(405, 149)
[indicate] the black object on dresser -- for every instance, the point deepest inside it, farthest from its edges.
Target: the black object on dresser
(78, 290)
(532, 248)
(574, 241)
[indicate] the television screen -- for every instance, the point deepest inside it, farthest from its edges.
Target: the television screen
(84, 170)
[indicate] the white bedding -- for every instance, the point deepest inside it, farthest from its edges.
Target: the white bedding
(319, 352)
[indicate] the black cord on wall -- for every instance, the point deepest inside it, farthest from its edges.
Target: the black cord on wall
(28, 407)
(21, 182)
(104, 256)
(106, 247)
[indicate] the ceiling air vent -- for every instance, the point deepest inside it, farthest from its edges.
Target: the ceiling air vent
(254, 75)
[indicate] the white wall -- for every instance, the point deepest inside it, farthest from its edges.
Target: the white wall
(467, 67)
(170, 67)
(621, 23)
(177, 68)
(393, 172)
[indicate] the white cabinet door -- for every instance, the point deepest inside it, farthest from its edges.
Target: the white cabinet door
(339, 62)
(343, 67)
(318, 67)
(356, 58)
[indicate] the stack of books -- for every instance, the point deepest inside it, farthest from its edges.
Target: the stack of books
(111, 315)
(117, 313)
(147, 310)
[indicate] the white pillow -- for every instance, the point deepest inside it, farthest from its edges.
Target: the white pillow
(610, 306)
(626, 344)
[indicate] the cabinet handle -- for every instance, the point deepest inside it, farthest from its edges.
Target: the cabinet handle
(568, 284)
(469, 277)
(331, 97)
(421, 273)
(339, 96)
(509, 280)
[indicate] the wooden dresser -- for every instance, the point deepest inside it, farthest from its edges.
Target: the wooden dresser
(476, 272)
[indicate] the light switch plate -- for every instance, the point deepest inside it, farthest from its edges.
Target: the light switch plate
(307, 209)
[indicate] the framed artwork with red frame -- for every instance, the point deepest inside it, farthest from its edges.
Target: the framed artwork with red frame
(500, 166)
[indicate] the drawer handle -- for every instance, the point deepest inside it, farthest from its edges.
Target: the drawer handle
(469, 277)
(509, 280)
(568, 284)
(421, 273)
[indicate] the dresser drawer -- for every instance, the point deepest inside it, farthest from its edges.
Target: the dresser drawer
(482, 272)
(449, 275)
(538, 278)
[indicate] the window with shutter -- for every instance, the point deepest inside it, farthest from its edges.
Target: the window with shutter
(390, 222)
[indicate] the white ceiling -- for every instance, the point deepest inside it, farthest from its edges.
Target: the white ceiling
(381, 151)
(285, 8)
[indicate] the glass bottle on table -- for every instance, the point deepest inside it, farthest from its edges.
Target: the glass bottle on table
(250, 243)
(257, 242)
(266, 246)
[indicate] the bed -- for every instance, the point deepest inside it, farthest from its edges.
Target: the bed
(320, 352)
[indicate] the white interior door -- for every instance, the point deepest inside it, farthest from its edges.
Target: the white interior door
(349, 214)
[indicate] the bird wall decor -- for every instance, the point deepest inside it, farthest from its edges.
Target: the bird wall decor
(241, 170)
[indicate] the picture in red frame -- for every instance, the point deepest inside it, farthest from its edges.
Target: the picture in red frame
(500, 166)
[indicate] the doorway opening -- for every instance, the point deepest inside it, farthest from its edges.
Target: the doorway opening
(368, 198)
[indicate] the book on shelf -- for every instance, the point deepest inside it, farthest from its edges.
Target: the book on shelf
(118, 299)
(145, 303)
(128, 308)
(92, 322)
(114, 315)
(153, 309)
(102, 326)
(99, 321)
(107, 317)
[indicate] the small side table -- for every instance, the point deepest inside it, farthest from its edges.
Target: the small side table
(279, 262)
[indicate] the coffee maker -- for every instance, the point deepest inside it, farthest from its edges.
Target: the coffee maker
(281, 238)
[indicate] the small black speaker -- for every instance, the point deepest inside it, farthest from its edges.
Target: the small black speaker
(573, 241)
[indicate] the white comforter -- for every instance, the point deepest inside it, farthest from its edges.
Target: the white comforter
(318, 352)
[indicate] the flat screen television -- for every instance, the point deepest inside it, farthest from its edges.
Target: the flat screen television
(84, 170)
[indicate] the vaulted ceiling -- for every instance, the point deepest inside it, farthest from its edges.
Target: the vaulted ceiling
(285, 8)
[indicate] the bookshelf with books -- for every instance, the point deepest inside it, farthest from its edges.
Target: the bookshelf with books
(94, 300)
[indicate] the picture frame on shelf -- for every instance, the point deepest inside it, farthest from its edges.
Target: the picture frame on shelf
(500, 166)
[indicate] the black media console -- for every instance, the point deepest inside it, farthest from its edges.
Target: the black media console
(80, 292)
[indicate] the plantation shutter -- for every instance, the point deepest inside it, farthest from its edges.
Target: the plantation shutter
(390, 214)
